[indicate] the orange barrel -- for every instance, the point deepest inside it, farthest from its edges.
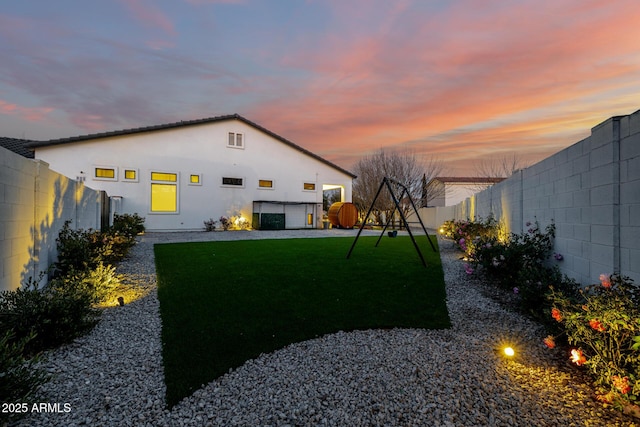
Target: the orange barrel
(343, 215)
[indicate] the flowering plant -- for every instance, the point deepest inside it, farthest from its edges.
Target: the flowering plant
(603, 326)
(466, 234)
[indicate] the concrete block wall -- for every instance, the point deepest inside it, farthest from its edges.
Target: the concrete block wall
(590, 190)
(34, 204)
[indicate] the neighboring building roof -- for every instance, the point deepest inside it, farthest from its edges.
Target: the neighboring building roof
(468, 180)
(36, 144)
(18, 146)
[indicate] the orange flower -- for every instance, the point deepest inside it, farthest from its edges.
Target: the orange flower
(597, 325)
(577, 357)
(549, 342)
(606, 398)
(605, 280)
(555, 313)
(622, 384)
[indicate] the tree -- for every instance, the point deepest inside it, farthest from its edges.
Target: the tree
(403, 167)
(498, 167)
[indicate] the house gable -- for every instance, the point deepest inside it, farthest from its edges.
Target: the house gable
(97, 136)
(180, 175)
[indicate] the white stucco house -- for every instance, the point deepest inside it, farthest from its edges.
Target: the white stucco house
(179, 175)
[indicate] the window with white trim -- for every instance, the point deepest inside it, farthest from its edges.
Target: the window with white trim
(265, 184)
(195, 179)
(232, 182)
(236, 140)
(105, 173)
(309, 186)
(164, 192)
(130, 175)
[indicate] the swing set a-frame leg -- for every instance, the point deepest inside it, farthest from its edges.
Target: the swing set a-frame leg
(386, 181)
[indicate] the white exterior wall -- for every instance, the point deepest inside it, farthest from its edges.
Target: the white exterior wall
(198, 149)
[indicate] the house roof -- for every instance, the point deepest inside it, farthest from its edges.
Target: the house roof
(37, 144)
(18, 146)
(468, 180)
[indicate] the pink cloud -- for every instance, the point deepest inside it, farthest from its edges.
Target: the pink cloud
(32, 114)
(149, 14)
(201, 2)
(460, 71)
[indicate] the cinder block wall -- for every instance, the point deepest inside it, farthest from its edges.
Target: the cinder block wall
(34, 204)
(590, 190)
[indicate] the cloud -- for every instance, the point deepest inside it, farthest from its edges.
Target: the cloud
(408, 79)
(150, 15)
(452, 79)
(32, 114)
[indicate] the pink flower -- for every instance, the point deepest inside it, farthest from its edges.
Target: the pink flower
(556, 314)
(516, 290)
(597, 325)
(605, 280)
(549, 342)
(468, 269)
(577, 357)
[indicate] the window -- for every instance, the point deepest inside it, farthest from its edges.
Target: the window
(265, 183)
(236, 140)
(236, 182)
(131, 175)
(310, 219)
(195, 179)
(162, 176)
(105, 173)
(309, 186)
(164, 192)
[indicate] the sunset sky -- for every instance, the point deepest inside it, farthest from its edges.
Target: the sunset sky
(458, 81)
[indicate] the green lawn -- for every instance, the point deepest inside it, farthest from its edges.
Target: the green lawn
(223, 303)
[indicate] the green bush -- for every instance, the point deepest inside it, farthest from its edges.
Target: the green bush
(517, 263)
(467, 234)
(128, 224)
(533, 288)
(603, 326)
(52, 317)
(96, 284)
(20, 376)
(80, 250)
(504, 262)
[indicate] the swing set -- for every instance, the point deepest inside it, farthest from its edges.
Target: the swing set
(386, 182)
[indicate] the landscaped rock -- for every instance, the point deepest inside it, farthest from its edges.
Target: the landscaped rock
(453, 377)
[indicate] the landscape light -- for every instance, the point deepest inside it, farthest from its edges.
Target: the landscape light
(509, 351)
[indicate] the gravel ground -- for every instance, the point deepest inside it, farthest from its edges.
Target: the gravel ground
(404, 377)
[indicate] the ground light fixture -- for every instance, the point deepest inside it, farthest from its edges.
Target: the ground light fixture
(508, 351)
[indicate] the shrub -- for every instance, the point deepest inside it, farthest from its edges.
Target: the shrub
(466, 234)
(603, 326)
(97, 284)
(80, 250)
(109, 247)
(75, 251)
(514, 262)
(20, 376)
(522, 254)
(225, 223)
(52, 317)
(128, 225)
(210, 225)
(534, 284)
